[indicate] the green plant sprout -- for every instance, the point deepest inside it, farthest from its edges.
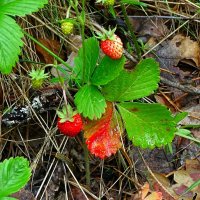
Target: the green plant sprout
(147, 125)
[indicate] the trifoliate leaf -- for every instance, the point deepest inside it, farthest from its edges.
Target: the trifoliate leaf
(14, 174)
(147, 125)
(20, 7)
(90, 102)
(107, 70)
(103, 135)
(10, 43)
(138, 83)
(86, 63)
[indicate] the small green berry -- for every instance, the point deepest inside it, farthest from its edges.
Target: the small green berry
(107, 2)
(67, 27)
(37, 84)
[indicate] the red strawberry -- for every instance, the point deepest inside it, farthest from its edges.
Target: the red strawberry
(69, 123)
(111, 45)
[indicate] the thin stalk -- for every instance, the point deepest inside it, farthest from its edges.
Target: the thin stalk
(86, 154)
(49, 51)
(137, 47)
(68, 11)
(81, 19)
(65, 100)
(87, 163)
(191, 126)
(83, 45)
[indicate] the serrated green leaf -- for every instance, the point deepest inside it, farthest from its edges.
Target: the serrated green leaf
(90, 102)
(147, 125)
(138, 83)
(14, 174)
(10, 43)
(20, 7)
(107, 70)
(91, 57)
(134, 2)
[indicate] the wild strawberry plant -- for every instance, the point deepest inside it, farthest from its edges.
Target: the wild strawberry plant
(10, 32)
(107, 89)
(89, 99)
(107, 93)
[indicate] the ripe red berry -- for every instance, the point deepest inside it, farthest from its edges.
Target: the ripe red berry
(71, 128)
(112, 47)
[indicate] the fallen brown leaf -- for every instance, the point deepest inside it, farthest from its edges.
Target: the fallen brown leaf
(188, 48)
(171, 52)
(51, 44)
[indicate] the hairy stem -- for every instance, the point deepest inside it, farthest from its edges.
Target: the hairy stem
(137, 47)
(49, 51)
(87, 163)
(81, 18)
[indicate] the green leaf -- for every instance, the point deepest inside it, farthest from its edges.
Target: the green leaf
(91, 57)
(107, 70)
(138, 83)
(147, 125)
(183, 131)
(90, 102)
(7, 198)
(170, 149)
(180, 116)
(195, 184)
(58, 80)
(14, 174)
(10, 43)
(20, 7)
(134, 2)
(186, 134)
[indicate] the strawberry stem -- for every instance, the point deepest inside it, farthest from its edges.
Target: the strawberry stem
(87, 163)
(81, 18)
(68, 11)
(65, 99)
(49, 51)
(137, 47)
